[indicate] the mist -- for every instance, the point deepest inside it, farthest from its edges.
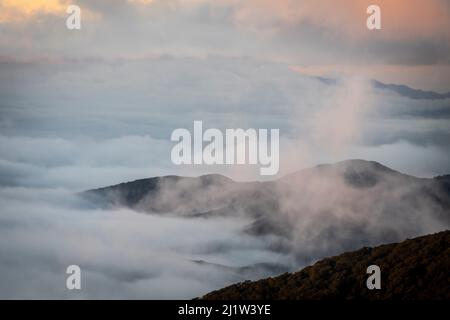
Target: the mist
(122, 254)
(220, 233)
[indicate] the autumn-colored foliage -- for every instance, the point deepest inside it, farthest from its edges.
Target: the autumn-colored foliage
(415, 269)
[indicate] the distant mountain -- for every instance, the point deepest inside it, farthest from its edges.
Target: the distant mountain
(410, 92)
(308, 215)
(152, 194)
(254, 271)
(402, 90)
(414, 269)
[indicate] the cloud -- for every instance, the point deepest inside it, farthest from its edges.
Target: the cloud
(90, 124)
(301, 33)
(92, 108)
(17, 10)
(125, 254)
(338, 125)
(98, 122)
(81, 163)
(399, 20)
(45, 230)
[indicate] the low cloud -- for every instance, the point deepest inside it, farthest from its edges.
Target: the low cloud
(171, 253)
(113, 119)
(67, 125)
(122, 254)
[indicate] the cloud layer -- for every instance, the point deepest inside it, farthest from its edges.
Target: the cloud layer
(112, 120)
(80, 110)
(122, 254)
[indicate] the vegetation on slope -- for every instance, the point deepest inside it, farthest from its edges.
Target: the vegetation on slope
(414, 269)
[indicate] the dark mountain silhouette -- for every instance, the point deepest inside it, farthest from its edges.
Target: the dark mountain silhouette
(414, 269)
(309, 214)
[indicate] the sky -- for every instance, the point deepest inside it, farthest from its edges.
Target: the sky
(317, 35)
(137, 70)
(82, 109)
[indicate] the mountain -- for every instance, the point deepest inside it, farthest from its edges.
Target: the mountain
(309, 214)
(414, 269)
(254, 271)
(410, 92)
(400, 89)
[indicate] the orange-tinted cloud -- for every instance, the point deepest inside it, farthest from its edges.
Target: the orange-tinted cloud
(400, 18)
(22, 10)
(141, 1)
(17, 10)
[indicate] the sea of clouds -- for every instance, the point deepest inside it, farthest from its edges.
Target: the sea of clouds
(75, 125)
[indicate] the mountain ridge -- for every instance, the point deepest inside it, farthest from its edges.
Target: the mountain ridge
(307, 215)
(414, 269)
(220, 176)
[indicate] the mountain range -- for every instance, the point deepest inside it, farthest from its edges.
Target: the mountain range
(308, 215)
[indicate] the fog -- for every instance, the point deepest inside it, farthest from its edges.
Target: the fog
(122, 254)
(61, 133)
(194, 235)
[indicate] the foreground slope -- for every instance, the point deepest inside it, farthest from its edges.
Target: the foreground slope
(413, 269)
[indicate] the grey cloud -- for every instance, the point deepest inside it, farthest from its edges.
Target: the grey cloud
(112, 119)
(425, 138)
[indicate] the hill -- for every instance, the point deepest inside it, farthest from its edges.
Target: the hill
(414, 269)
(309, 214)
